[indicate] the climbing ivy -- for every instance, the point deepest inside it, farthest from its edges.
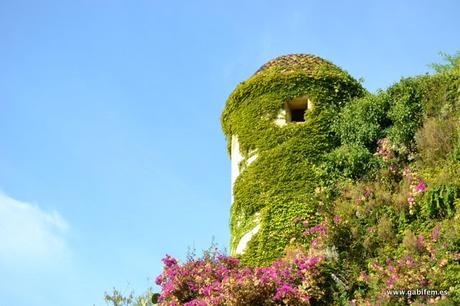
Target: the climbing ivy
(279, 185)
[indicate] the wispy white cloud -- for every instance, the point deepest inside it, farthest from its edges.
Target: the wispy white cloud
(29, 235)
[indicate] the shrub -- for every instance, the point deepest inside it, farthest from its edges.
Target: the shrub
(405, 113)
(453, 62)
(363, 120)
(436, 139)
(351, 161)
(216, 279)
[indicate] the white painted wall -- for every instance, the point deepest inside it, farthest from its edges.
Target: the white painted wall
(280, 119)
(236, 158)
(251, 159)
(245, 239)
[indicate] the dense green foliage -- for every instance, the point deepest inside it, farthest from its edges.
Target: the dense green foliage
(279, 185)
(397, 191)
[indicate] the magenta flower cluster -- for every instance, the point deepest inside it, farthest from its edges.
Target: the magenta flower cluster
(221, 280)
(319, 229)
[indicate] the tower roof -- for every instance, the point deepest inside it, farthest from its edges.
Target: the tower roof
(294, 62)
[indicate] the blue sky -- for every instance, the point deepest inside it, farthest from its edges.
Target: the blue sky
(111, 152)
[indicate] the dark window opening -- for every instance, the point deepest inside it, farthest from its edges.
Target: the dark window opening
(296, 108)
(297, 115)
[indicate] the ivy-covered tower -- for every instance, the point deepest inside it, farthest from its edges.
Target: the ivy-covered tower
(277, 125)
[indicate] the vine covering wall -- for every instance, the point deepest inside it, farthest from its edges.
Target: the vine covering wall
(280, 184)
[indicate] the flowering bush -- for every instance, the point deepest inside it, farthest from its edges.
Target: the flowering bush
(425, 269)
(217, 279)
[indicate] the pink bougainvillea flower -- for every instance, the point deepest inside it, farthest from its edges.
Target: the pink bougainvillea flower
(285, 288)
(169, 261)
(420, 186)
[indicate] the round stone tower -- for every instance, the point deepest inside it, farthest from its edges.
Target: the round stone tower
(277, 125)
